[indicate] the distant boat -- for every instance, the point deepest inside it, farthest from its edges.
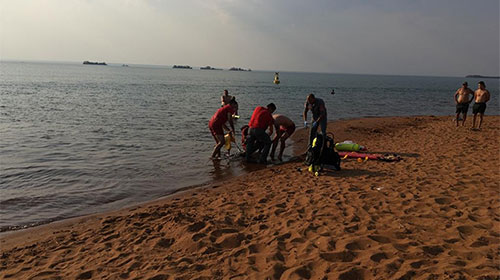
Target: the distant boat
(209, 68)
(182, 67)
(86, 62)
(124, 65)
(239, 69)
(480, 76)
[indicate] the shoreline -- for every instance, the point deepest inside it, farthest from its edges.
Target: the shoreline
(282, 221)
(298, 147)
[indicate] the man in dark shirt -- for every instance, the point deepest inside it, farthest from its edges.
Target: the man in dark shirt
(318, 109)
(261, 119)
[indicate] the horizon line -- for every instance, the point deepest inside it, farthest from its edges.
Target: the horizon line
(224, 68)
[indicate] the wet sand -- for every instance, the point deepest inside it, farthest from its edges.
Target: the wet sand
(433, 215)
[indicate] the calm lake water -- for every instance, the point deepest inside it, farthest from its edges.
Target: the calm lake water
(78, 139)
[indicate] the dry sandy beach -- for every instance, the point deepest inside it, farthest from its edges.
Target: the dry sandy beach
(433, 215)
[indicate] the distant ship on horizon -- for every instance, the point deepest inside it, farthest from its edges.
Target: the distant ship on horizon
(209, 68)
(182, 67)
(86, 62)
(239, 69)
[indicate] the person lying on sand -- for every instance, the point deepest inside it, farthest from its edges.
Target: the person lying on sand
(217, 124)
(284, 129)
(481, 96)
(462, 102)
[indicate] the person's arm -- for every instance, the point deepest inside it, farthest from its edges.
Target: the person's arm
(304, 115)
(271, 126)
(230, 118)
(455, 97)
(471, 92)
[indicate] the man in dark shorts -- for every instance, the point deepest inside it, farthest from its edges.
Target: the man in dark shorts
(462, 102)
(318, 109)
(284, 129)
(218, 123)
(481, 96)
(261, 119)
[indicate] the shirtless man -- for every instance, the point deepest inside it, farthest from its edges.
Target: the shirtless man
(481, 96)
(284, 129)
(462, 101)
(225, 98)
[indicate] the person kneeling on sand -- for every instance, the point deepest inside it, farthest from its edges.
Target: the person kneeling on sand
(284, 129)
(462, 102)
(217, 124)
(261, 119)
(481, 96)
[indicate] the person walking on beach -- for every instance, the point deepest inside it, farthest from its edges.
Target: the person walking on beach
(218, 123)
(318, 109)
(481, 96)
(284, 129)
(261, 119)
(462, 102)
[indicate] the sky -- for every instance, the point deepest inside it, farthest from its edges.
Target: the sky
(402, 37)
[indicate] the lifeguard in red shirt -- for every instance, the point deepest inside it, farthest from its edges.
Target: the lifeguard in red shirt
(218, 123)
(261, 120)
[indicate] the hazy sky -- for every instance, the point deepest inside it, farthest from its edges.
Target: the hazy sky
(440, 37)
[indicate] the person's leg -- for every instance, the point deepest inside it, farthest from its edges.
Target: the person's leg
(465, 110)
(250, 143)
(219, 143)
(263, 138)
(277, 137)
(474, 121)
(323, 126)
(482, 109)
(457, 112)
(283, 138)
(312, 133)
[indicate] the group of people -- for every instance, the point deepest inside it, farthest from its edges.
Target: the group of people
(464, 96)
(263, 124)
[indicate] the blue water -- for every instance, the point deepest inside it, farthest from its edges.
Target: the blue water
(78, 139)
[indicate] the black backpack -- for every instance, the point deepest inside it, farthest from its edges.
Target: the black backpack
(322, 152)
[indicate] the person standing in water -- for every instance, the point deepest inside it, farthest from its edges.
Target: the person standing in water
(462, 102)
(225, 98)
(217, 124)
(481, 96)
(284, 129)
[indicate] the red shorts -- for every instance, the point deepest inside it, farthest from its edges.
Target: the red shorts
(216, 129)
(288, 130)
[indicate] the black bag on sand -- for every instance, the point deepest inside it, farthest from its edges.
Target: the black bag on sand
(322, 152)
(329, 155)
